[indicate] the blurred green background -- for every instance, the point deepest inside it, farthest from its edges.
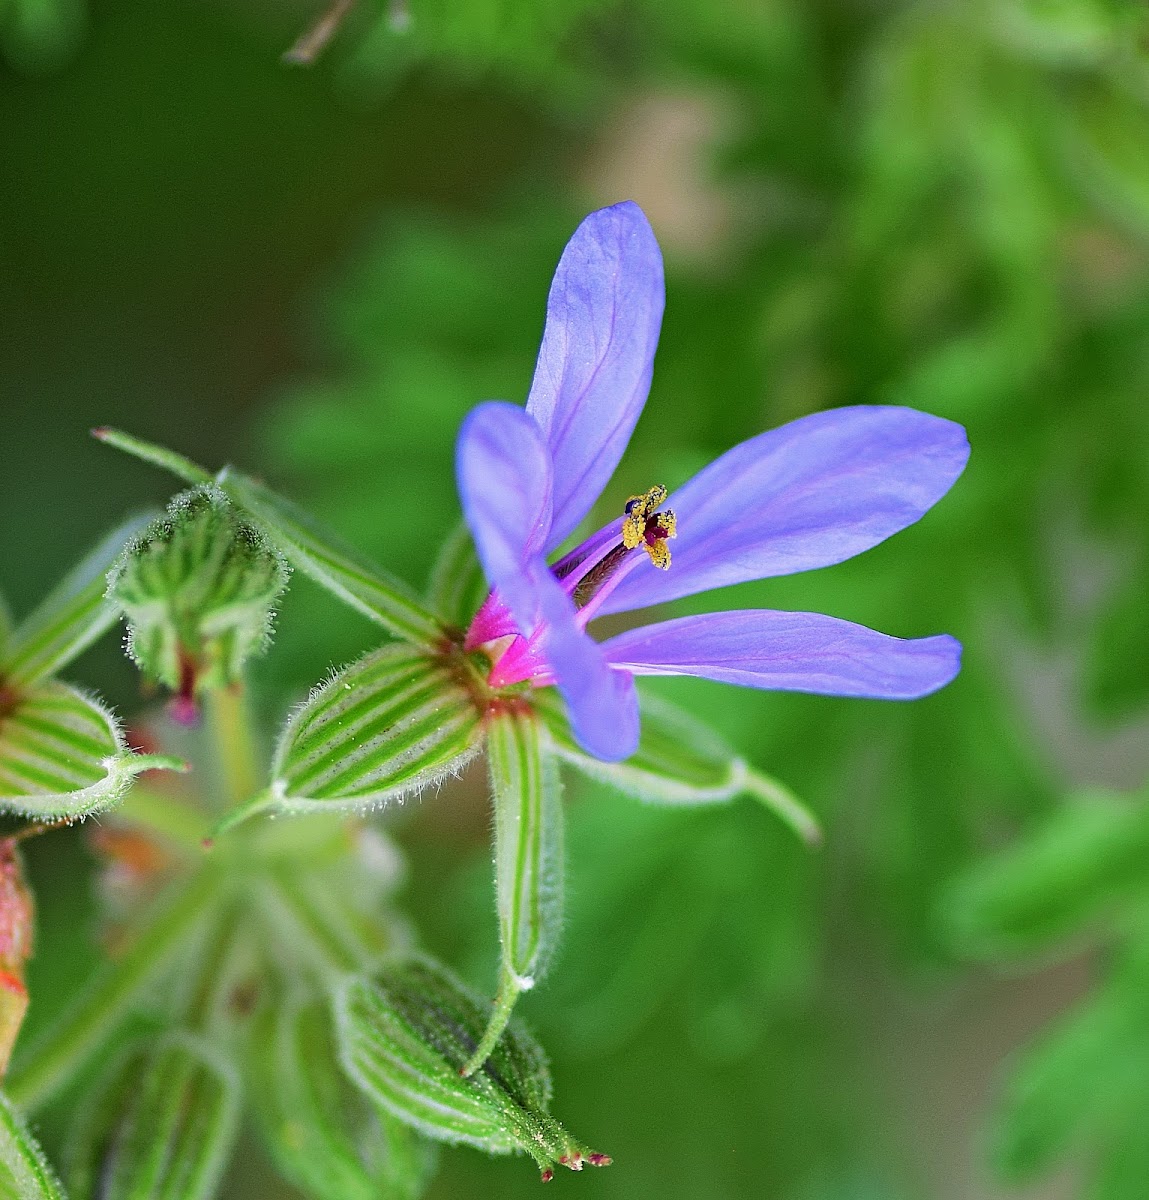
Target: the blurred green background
(316, 271)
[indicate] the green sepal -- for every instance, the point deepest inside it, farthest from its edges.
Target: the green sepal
(457, 586)
(526, 792)
(306, 543)
(322, 1132)
(390, 725)
(339, 568)
(1080, 867)
(175, 1121)
(680, 760)
(404, 1037)
(198, 587)
(159, 456)
(63, 755)
(72, 617)
(24, 1171)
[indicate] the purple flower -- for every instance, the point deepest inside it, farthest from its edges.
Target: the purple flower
(815, 492)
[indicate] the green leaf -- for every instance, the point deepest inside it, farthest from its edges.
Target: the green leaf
(168, 929)
(393, 723)
(62, 754)
(24, 1171)
(71, 618)
(1082, 1080)
(1075, 870)
(404, 1037)
(339, 568)
(322, 1132)
(528, 859)
(680, 760)
(173, 1136)
(457, 586)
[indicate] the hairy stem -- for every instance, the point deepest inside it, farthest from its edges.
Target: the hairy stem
(234, 741)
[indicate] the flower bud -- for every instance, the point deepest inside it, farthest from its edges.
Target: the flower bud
(404, 1038)
(198, 587)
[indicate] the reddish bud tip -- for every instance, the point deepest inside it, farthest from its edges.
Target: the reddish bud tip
(184, 711)
(599, 1160)
(10, 983)
(547, 1175)
(208, 843)
(101, 432)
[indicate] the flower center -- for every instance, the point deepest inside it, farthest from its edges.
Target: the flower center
(643, 525)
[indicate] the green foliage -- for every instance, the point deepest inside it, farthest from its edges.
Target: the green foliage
(40, 35)
(1081, 878)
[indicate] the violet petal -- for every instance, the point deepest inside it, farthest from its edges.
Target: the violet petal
(814, 492)
(593, 373)
(503, 471)
(789, 651)
(601, 702)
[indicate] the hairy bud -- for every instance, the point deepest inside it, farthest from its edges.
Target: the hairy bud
(404, 1038)
(198, 587)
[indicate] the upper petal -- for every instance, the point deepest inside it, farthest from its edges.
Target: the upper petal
(789, 651)
(812, 493)
(593, 373)
(503, 470)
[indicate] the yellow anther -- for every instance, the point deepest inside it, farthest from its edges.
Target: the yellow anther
(637, 511)
(659, 554)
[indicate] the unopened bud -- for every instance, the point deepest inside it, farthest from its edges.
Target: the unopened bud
(404, 1037)
(198, 588)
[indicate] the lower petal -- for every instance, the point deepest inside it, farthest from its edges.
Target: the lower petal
(601, 700)
(789, 651)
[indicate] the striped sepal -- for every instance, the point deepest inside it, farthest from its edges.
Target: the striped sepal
(173, 1134)
(528, 859)
(680, 760)
(394, 723)
(70, 619)
(61, 754)
(403, 1037)
(528, 842)
(342, 570)
(24, 1171)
